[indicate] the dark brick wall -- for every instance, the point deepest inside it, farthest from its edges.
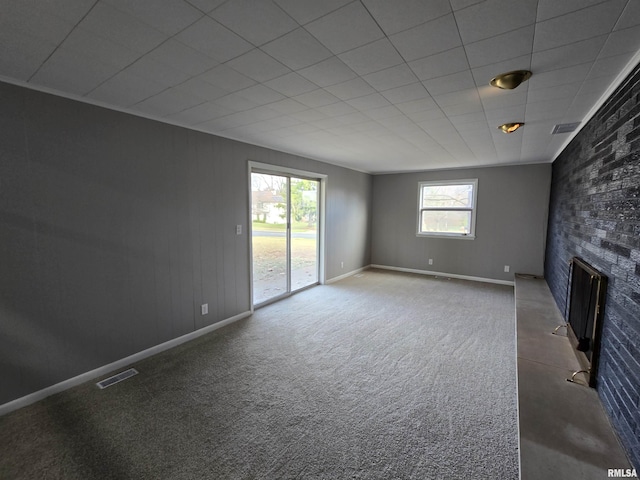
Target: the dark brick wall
(594, 213)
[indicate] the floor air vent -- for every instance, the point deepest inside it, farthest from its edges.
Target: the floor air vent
(107, 382)
(564, 128)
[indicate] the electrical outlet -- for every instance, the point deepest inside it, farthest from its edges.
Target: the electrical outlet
(431, 261)
(506, 268)
(238, 229)
(341, 264)
(204, 308)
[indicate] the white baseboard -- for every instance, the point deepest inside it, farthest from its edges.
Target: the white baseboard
(448, 275)
(346, 275)
(136, 357)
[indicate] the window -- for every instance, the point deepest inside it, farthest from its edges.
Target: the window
(447, 208)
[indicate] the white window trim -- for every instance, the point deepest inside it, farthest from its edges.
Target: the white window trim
(459, 236)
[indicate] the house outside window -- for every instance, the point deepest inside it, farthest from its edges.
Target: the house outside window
(447, 208)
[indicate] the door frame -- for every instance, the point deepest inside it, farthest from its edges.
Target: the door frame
(260, 167)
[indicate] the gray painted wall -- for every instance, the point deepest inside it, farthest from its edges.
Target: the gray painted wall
(511, 223)
(114, 229)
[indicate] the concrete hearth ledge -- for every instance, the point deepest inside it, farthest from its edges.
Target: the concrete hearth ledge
(564, 430)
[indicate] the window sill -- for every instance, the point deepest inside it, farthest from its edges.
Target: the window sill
(444, 235)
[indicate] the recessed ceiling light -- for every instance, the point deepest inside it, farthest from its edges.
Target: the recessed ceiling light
(510, 127)
(511, 80)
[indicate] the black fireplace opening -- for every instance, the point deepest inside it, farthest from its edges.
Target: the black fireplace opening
(586, 291)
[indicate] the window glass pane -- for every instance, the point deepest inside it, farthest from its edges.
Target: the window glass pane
(448, 221)
(447, 196)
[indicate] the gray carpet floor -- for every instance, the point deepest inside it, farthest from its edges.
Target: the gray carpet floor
(382, 375)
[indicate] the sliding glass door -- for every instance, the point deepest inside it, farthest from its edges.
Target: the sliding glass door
(284, 234)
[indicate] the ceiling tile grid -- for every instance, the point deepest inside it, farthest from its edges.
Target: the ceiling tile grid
(376, 85)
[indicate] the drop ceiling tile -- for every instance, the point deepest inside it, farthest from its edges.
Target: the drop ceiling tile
(550, 8)
(282, 121)
(546, 109)
(216, 125)
(469, 96)
(567, 55)
(477, 121)
(316, 98)
(372, 57)
(375, 100)
(182, 57)
(609, 66)
(515, 113)
(391, 77)
(342, 131)
(449, 83)
(352, 118)
(258, 66)
(324, 123)
(168, 102)
(310, 115)
(227, 78)
(559, 77)
(100, 49)
(345, 29)
(397, 122)
(107, 22)
(504, 98)
(260, 94)
(168, 16)
(328, 72)
(406, 93)
(206, 6)
(304, 11)
(460, 4)
(302, 128)
(622, 41)
(440, 64)
(568, 90)
(235, 102)
(198, 87)
(431, 115)
(297, 50)
(581, 106)
(494, 17)
(261, 113)
(395, 17)
(417, 105)
(232, 121)
(595, 86)
(461, 109)
(218, 42)
(288, 106)
(427, 39)
(257, 21)
(336, 109)
(630, 16)
(200, 113)
(443, 134)
(125, 89)
(291, 84)
(580, 25)
(62, 71)
(147, 67)
(22, 55)
(48, 25)
(383, 112)
(350, 89)
(501, 47)
(370, 126)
